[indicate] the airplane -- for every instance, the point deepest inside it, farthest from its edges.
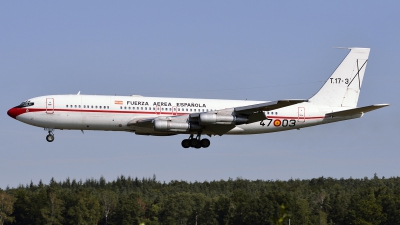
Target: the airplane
(156, 116)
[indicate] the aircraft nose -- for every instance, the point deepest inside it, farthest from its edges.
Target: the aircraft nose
(14, 112)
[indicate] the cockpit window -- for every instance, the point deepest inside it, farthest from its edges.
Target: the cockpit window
(25, 104)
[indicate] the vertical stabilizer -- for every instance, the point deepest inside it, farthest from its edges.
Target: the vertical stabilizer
(343, 87)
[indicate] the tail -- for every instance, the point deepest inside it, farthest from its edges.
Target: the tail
(343, 87)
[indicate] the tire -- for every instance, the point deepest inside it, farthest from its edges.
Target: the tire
(50, 138)
(193, 142)
(198, 145)
(185, 143)
(205, 143)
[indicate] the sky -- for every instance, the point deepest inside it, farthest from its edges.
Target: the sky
(256, 50)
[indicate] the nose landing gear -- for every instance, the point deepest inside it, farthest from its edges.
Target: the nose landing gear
(50, 136)
(196, 142)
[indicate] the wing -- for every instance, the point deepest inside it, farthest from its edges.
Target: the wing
(256, 112)
(217, 122)
(221, 121)
(268, 106)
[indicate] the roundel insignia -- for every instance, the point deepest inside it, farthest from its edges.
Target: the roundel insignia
(277, 123)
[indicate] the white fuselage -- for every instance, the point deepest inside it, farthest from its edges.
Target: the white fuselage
(113, 113)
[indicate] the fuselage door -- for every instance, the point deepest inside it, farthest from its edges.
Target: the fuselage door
(301, 114)
(49, 105)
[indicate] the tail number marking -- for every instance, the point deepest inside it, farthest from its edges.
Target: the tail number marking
(339, 80)
(277, 123)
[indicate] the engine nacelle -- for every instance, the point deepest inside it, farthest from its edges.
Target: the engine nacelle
(212, 118)
(165, 125)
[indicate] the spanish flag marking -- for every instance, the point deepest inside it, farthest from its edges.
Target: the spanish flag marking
(117, 102)
(277, 123)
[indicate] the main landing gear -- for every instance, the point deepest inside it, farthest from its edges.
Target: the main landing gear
(50, 136)
(196, 142)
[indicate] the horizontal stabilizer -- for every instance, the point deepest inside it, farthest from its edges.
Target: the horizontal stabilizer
(355, 111)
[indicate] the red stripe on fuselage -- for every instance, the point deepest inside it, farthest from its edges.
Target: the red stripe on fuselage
(14, 112)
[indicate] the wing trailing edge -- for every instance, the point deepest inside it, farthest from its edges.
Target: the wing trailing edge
(267, 106)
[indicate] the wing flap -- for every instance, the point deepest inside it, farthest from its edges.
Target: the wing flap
(351, 112)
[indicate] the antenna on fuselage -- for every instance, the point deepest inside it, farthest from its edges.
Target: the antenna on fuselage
(79, 92)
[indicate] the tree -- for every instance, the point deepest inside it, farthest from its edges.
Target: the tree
(127, 211)
(6, 207)
(52, 212)
(177, 208)
(109, 202)
(364, 209)
(85, 209)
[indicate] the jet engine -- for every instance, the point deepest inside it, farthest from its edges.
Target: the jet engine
(165, 125)
(211, 118)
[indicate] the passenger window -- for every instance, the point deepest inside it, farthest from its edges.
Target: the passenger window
(67, 106)
(276, 113)
(100, 107)
(121, 107)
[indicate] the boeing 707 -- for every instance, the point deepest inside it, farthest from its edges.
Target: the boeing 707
(335, 101)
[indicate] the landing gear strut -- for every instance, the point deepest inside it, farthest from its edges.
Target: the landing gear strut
(196, 142)
(50, 136)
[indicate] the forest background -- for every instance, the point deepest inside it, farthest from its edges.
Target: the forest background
(148, 201)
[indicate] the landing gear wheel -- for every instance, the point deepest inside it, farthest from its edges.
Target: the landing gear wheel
(198, 145)
(194, 142)
(205, 143)
(50, 138)
(186, 143)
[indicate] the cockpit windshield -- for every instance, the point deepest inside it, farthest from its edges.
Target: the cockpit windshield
(25, 104)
